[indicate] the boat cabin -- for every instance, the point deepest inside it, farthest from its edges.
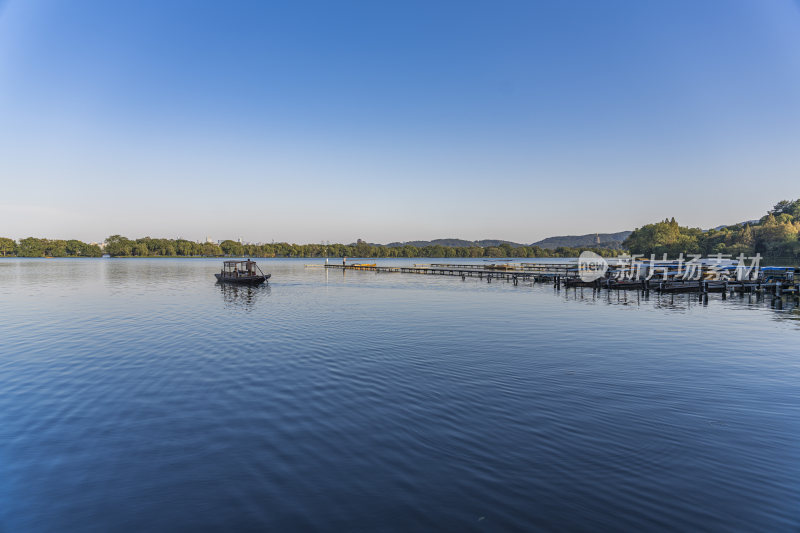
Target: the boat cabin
(238, 269)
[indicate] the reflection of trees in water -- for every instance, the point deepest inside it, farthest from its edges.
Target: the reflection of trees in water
(243, 296)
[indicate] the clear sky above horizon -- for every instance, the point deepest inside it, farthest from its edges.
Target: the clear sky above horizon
(393, 121)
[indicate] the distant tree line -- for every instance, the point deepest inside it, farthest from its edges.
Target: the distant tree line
(774, 235)
(33, 247)
(119, 246)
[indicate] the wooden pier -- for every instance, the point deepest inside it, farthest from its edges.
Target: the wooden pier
(775, 281)
(488, 272)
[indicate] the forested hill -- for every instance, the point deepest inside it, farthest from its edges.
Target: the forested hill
(774, 235)
(606, 240)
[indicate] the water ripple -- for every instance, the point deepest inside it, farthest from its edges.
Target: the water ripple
(141, 395)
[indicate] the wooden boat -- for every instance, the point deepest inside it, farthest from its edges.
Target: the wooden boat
(243, 272)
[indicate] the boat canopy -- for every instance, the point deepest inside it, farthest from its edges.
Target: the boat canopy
(246, 267)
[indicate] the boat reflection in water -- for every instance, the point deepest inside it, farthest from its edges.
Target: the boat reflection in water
(242, 296)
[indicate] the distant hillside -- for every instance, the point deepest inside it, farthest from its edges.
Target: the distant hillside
(460, 243)
(750, 222)
(607, 240)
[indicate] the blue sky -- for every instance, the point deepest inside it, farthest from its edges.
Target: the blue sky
(326, 121)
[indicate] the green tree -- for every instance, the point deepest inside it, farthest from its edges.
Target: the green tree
(363, 249)
(7, 246)
(787, 207)
(664, 237)
(31, 247)
(119, 246)
(232, 248)
(212, 250)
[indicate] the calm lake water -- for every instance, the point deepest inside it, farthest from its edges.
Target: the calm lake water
(138, 395)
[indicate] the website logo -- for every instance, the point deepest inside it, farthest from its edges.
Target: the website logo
(591, 266)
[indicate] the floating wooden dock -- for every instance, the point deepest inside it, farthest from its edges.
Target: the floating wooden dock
(777, 281)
